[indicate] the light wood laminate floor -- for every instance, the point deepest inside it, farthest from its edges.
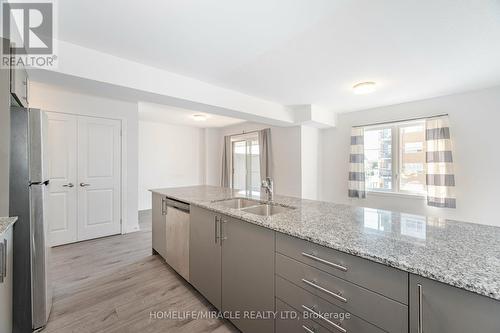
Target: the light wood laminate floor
(113, 284)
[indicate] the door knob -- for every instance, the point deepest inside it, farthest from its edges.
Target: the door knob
(68, 185)
(84, 184)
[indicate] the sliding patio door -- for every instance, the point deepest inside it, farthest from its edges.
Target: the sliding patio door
(246, 164)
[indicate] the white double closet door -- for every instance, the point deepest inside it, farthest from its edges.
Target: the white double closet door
(85, 170)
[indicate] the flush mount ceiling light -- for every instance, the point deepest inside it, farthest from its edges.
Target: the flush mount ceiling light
(199, 117)
(364, 88)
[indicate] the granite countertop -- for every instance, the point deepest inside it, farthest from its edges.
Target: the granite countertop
(6, 223)
(464, 255)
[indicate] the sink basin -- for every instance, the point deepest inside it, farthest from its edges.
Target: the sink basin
(253, 206)
(267, 209)
(238, 203)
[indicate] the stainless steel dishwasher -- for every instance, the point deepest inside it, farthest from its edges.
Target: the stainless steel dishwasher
(177, 235)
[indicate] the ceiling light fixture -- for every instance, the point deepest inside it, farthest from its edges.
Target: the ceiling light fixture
(199, 117)
(364, 88)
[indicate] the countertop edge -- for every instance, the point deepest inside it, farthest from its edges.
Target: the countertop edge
(384, 261)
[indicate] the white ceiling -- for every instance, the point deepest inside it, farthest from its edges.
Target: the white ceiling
(302, 51)
(178, 116)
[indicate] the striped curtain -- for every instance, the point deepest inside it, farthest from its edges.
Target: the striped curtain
(357, 164)
(439, 174)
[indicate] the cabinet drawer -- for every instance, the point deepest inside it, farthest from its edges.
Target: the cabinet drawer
(301, 299)
(287, 324)
(384, 280)
(368, 305)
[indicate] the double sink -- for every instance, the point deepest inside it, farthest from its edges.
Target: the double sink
(254, 206)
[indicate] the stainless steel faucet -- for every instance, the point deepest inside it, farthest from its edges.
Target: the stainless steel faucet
(268, 186)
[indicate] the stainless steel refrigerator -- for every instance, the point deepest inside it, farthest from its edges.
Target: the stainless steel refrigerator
(28, 196)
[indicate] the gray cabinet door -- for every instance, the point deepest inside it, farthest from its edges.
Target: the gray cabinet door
(205, 255)
(248, 274)
(446, 309)
(19, 85)
(159, 232)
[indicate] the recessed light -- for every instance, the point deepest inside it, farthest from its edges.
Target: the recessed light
(199, 117)
(364, 88)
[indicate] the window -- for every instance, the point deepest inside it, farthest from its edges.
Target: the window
(378, 159)
(246, 164)
(395, 158)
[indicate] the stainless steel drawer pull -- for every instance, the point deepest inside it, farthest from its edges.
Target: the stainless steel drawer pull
(216, 231)
(308, 330)
(420, 322)
(223, 235)
(2, 261)
(4, 270)
(163, 206)
(337, 327)
(326, 291)
(326, 262)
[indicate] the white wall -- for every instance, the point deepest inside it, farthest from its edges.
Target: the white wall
(52, 98)
(475, 120)
(169, 155)
(286, 147)
(213, 156)
(310, 162)
(287, 160)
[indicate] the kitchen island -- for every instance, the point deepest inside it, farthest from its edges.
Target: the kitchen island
(422, 250)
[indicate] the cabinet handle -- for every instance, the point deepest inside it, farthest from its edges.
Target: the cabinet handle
(2, 261)
(4, 270)
(337, 327)
(222, 232)
(84, 184)
(308, 330)
(216, 231)
(326, 291)
(326, 262)
(420, 310)
(68, 185)
(163, 206)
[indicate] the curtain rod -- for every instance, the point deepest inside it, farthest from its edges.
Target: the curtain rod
(249, 132)
(402, 120)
